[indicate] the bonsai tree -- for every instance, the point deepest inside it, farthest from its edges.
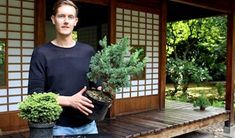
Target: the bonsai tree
(202, 101)
(112, 67)
(114, 64)
(41, 110)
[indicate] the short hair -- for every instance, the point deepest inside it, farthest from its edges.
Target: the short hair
(60, 3)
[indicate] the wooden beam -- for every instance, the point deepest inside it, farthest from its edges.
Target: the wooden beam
(40, 18)
(98, 2)
(214, 5)
(162, 54)
(230, 79)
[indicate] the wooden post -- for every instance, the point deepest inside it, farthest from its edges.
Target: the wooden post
(230, 79)
(40, 17)
(112, 39)
(162, 54)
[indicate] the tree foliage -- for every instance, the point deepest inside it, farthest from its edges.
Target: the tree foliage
(194, 46)
(114, 64)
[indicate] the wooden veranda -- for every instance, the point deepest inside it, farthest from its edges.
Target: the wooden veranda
(178, 118)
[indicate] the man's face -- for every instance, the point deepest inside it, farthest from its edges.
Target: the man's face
(65, 20)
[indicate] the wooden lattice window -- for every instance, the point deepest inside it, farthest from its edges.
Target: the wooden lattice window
(142, 27)
(2, 63)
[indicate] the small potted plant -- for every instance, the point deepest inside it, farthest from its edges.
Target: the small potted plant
(41, 110)
(202, 101)
(113, 67)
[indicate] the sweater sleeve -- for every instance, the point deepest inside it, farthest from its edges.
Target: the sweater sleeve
(37, 73)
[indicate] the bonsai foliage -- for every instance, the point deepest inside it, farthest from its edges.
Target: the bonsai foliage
(202, 101)
(40, 108)
(114, 64)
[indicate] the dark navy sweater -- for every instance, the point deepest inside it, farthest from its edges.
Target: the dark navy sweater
(63, 71)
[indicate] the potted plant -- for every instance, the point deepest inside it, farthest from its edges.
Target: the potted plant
(202, 101)
(41, 110)
(112, 67)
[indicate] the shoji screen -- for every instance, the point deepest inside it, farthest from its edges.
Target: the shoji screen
(143, 30)
(17, 28)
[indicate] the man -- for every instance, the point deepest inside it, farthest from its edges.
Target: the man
(61, 66)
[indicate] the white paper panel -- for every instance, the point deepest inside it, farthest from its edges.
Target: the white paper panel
(28, 43)
(148, 92)
(29, 5)
(3, 19)
(14, 99)
(14, 27)
(14, 3)
(142, 14)
(13, 51)
(2, 34)
(28, 36)
(14, 75)
(14, 11)
(14, 91)
(155, 91)
(26, 59)
(27, 51)
(28, 20)
(14, 35)
(134, 94)
(3, 26)
(3, 108)
(3, 2)
(13, 59)
(25, 90)
(3, 100)
(13, 43)
(14, 19)
(25, 82)
(3, 92)
(3, 10)
(118, 96)
(25, 75)
(126, 95)
(28, 28)
(27, 12)
(141, 93)
(141, 88)
(14, 83)
(119, 10)
(13, 107)
(134, 88)
(14, 67)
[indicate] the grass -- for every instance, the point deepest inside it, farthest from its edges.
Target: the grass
(214, 92)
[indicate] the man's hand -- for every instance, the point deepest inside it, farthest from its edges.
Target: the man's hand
(77, 101)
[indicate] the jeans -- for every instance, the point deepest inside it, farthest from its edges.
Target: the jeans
(86, 129)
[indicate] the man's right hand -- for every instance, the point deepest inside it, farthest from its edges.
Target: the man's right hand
(77, 101)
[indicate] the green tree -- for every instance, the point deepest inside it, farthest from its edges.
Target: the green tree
(202, 41)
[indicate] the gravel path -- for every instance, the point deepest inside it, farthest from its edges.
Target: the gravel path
(214, 131)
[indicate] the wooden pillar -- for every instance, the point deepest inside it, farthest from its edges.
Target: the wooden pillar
(112, 39)
(162, 54)
(40, 17)
(230, 79)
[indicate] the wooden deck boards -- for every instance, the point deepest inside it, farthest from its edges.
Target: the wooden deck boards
(178, 118)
